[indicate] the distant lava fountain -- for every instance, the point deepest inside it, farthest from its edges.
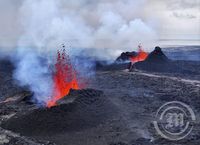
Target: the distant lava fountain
(64, 78)
(141, 56)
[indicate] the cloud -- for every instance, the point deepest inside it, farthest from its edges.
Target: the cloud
(184, 15)
(182, 4)
(112, 25)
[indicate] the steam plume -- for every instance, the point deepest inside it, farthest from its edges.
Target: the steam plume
(32, 71)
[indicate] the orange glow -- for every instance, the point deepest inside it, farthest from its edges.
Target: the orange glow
(65, 78)
(141, 56)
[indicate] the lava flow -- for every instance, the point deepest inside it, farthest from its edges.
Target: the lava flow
(141, 56)
(65, 78)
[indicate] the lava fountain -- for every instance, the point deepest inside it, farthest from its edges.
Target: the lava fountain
(141, 56)
(64, 78)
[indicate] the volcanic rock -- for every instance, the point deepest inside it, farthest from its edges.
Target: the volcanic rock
(157, 56)
(157, 61)
(8, 85)
(6, 66)
(89, 108)
(10, 138)
(121, 63)
(125, 56)
(114, 66)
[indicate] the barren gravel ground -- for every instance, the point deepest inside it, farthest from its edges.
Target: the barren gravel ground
(132, 97)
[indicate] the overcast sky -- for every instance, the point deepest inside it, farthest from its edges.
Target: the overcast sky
(171, 19)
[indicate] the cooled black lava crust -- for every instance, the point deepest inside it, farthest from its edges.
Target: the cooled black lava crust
(88, 110)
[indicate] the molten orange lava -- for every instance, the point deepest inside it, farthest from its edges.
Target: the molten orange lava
(65, 78)
(141, 56)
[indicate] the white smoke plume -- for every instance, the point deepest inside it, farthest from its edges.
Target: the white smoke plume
(33, 71)
(110, 24)
(106, 27)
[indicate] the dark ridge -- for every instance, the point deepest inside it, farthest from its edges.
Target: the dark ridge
(8, 86)
(157, 61)
(89, 109)
(157, 56)
(6, 66)
(114, 66)
(28, 97)
(125, 56)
